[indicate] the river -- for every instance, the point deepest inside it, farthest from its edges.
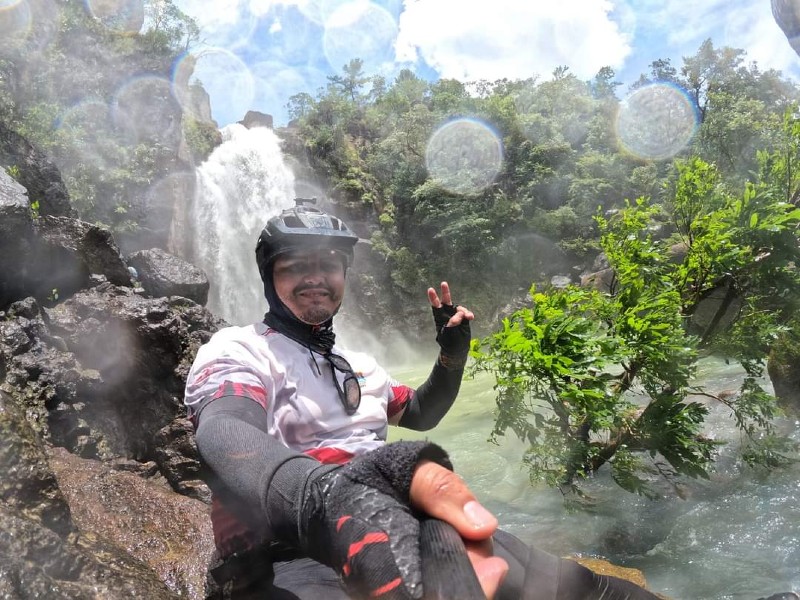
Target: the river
(735, 536)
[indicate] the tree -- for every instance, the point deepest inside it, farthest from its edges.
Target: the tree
(169, 27)
(566, 367)
(352, 81)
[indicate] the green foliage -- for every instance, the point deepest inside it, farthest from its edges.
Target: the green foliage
(201, 137)
(13, 172)
(586, 378)
(61, 97)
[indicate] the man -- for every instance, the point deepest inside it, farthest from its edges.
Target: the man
(309, 500)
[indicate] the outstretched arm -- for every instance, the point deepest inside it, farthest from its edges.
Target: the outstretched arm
(431, 401)
(328, 511)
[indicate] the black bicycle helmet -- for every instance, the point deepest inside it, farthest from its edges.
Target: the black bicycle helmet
(301, 228)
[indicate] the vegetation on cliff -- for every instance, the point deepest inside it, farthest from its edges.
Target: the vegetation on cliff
(103, 96)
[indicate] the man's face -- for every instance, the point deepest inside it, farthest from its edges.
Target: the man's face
(310, 284)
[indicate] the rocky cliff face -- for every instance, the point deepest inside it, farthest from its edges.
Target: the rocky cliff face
(101, 491)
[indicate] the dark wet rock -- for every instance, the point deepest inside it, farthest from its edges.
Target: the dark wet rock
(78, 248)
(28, 486)
(36, 562)
(604, 281)
(50, 258)
(16, 240)
(179, 461)
(163, 274)
(168, 532)
(137, 351)
(36, 173)
(253, 118)
(100, 376)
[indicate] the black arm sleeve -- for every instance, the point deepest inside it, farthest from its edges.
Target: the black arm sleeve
(269, 478)
(433, 399)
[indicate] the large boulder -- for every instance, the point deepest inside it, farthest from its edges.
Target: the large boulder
(140, 349)
(50, 257)
(41, 553)
(253, 118)
(16, 240)
(36, 173)
(115, 505)
(71, 250)
(101, 376)
(163, 274)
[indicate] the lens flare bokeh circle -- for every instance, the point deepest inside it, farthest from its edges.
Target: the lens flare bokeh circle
(656, 122)
(464, 156)
(15, 21)
(123, 16)
(144, 109)
(360, 30)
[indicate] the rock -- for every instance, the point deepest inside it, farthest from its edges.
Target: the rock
(253, 118)
(74, 249)
(163, 274)
(784, 374)
(716, 310)
(52, 257)
(36, 174)
(603, 567)
(560, 282)
(141, 349)
(604, 281)
(28, 486)
(179, 461)
(168, 532)
(35, 562)
(16, 241)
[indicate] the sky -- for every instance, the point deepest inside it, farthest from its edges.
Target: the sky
(255, 54)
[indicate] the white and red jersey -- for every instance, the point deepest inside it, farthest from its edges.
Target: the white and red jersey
(296, 389)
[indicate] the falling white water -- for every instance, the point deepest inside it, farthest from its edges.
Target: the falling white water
(242, 184)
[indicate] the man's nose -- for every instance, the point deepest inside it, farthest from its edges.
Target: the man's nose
(314, 271)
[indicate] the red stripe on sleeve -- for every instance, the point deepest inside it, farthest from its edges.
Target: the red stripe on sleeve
(330, 456)
(254, 392)
(401, 395)
(386, 588)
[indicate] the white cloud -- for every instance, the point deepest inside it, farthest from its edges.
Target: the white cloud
(743, 24)
(466, 40)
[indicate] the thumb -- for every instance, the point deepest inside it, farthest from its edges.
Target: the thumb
(438, 492)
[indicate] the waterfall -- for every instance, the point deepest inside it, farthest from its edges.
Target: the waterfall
(242, 184)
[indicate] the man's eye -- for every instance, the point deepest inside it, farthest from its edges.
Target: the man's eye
(297, 267)
(330, 266)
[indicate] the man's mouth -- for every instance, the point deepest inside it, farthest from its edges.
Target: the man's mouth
(314, 293)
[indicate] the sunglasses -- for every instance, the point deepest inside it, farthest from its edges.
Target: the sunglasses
(349, 390)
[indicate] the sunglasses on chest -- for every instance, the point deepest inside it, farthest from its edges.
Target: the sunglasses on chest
(349, 390)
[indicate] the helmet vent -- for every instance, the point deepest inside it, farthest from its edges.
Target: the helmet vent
(292, 221)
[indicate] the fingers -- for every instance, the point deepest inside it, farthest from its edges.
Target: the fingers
(433, 297)
(461, 314)
(490, 571)
(446, 299)
(441, 493)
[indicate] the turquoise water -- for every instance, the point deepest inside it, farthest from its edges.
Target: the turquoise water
(736, 536)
